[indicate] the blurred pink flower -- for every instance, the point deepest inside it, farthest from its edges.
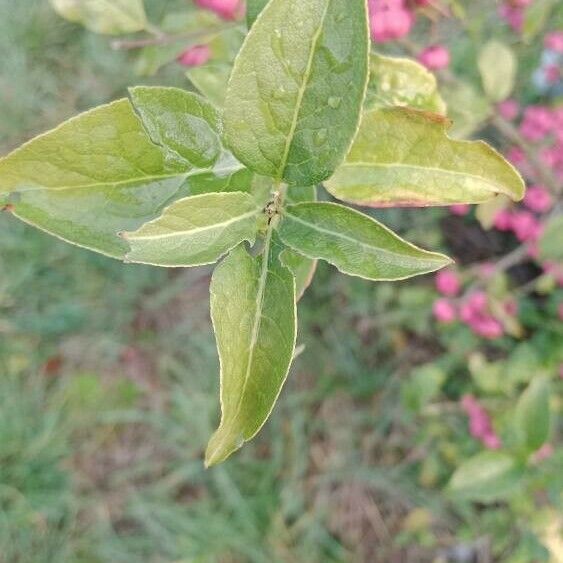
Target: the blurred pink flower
(227, 9)
(460, 209)
(509, 109)
(444, 311)
(448, 283)
(554, 41)
(388, 25)
(543, 453)
(538, 199)
(525, 226)
(195, 56)
(480, 425)
(502, 220)
(435, 57)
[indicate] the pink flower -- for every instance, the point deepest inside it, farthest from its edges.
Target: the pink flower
(552, 73)
(537, 123)
(543, 453)
(538, 199)
(480, 425)
(227, 9)
(511, 307)
(513, 15)
(487, 327)
(435, 57)
(509, 109)
(195, 56)
(554, 41)
(502, 221)
(525, 226)
(389, 24)
(460, 209)
(444, 311)
(448, 283)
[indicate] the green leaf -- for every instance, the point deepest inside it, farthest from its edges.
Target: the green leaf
(355, 243)
(536, 16)
(196, 230)
(302, 268)
(111, 17)
(395, 81)
(295, 95)
(253, 9)
(486, 477)
(422, 386)
(467, 108)
(550, 242)
(532, 414)
(211, 80)
(98, 174)
(404, 157)
(497, 65)
(254, 318)
(184, 124)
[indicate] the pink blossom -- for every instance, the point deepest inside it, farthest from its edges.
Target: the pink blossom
(538, 199)
(513, 15)
(525, 226)
(511, 307)
(552, 73)
(435, 57)
(560, 311)
(554, 41)
(487, 327)
(227, 9)
(444, 311)
(543, 453)
(390, 24)
(509, 109)
(460, 209)
(448, 283)
(502, 221)
(480, 425)
(487, 269)
(195, 56)
(537, 123)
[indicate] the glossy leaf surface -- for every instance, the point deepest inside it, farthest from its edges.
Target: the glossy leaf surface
(532, 415)
(297, 88)
(353, 242)
(196, 230)
(403, 157)
(254, 318)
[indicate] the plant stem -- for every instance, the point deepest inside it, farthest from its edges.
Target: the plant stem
(162, 38)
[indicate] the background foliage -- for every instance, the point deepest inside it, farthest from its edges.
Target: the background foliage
(108, 377)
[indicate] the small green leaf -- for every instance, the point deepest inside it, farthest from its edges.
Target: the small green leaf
(550, 242)
(404, 157)
(397, 81)
(486, 477)
(536, 16)
(355, 243)
(253, 9)
(497, 65)
(467, 108)
(422, 386)
(196, 230)
(99, 173)
(532, 414)
(111, 17)
(211, 80)
(302, 268)
(184, 124)
(295, 95)
(254, 318)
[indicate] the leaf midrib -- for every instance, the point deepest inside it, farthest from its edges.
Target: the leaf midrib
(301, 93)
(191, 232)
(370, 248)
(445, 171)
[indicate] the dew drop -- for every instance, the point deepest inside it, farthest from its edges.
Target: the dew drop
(334, 102)
(320, 137)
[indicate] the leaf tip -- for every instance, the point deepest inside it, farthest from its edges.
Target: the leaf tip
(221, 446)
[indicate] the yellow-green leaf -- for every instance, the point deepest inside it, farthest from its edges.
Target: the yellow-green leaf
(196, 230)
(353, 242)
(396, 81)
(99, 173)
(497, 65)
(111, 17)
(254, 318)
(295, 95)
(404, 157)
(532, 418)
